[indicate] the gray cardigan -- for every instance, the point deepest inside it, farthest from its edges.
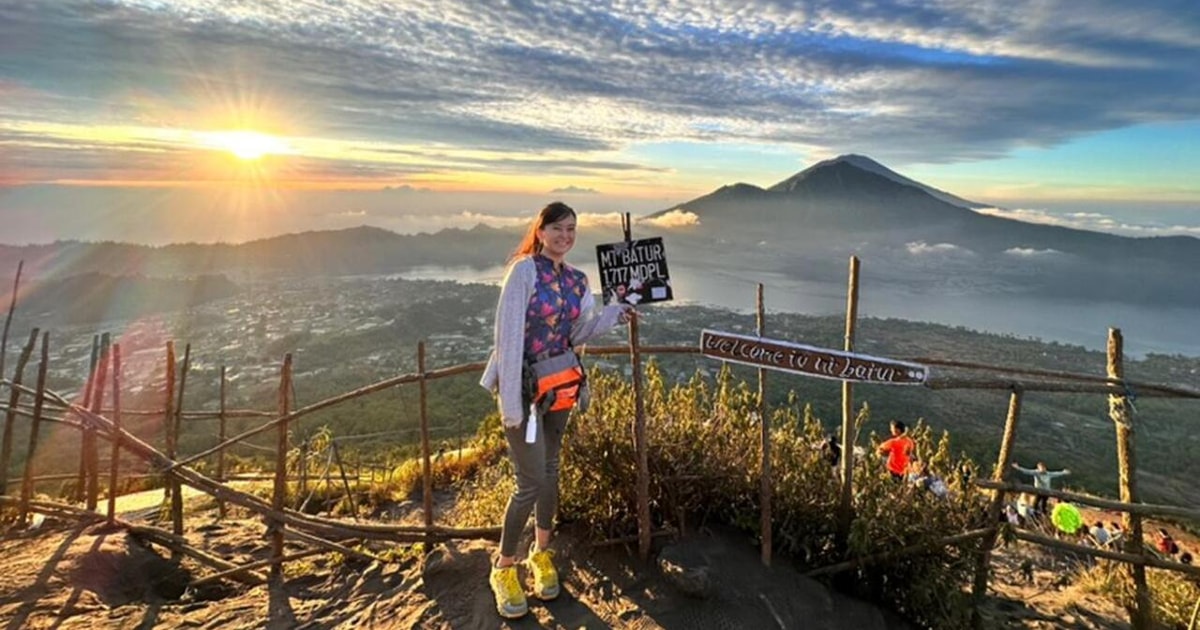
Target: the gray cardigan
(503, 372)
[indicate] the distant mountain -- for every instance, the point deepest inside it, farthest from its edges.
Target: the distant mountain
(865, 163)
(916, 234)
(358, 250)
(908, 234)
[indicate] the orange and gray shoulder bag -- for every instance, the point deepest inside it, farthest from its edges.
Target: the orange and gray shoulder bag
(555, 383)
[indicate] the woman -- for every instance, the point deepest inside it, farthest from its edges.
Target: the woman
(545, 310)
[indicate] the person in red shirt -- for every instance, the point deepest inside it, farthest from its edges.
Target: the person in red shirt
(899, 450)
(1166, 545)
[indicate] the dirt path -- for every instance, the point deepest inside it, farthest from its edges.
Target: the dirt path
(66, 577)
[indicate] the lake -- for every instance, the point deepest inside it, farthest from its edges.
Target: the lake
(1146, 329)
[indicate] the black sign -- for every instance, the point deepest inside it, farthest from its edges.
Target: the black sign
(634, 272)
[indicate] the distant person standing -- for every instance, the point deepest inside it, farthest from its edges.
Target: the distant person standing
(899, 450)
(1042, 479)
(546, 309)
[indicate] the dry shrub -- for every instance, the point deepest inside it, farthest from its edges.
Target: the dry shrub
(407, 479)
(1173, 595)
(482, 500)
(704, 461)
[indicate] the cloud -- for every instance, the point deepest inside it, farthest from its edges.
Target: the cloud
(921, 248)
(1029, 252)
(939, 82)
(575, 190)
(600, 219)
(673, 219)
(1094, 221)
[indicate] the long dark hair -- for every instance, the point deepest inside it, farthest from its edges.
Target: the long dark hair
(552, 213)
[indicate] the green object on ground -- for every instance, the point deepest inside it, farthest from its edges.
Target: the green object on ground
(1066, 518)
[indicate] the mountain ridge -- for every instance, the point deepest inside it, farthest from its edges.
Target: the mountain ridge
(802, 226)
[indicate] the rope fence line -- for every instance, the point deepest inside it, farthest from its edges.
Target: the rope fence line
(92, 421)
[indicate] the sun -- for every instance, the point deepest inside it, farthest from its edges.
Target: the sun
(246, 145)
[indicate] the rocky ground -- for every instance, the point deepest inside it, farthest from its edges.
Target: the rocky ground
(64, 576)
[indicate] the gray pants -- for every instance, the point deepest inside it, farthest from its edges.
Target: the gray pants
(536, 467)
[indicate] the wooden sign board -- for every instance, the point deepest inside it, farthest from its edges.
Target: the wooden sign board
(634, 272)
(809, 361)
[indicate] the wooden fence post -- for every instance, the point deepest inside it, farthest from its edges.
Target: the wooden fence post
(640, 444)
(12, 307)
(845, 506)
(177, 429)
(281, 450)
(221, 440)
(1141, 616)
(88, 385)
(115, 463)
(337, 456)
(38, 402)
(426, 467)
(988, 542)
(171, 486)
(765, 420)
(302, 468)
(92, 450)
(10, 417)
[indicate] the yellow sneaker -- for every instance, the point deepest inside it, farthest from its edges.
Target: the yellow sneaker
(510, 597)
(545, 578)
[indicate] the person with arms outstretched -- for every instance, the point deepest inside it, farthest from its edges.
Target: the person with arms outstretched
(1042, 479)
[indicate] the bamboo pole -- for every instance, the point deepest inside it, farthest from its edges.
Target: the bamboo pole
(179, 545)
(1144, 388)
(257, 564)
(337, 456)
(765, 420)
(983, 560)
(426, 468)
(1133, 559)
(624, 350)
(302, 468)
(171, 485)
(88, 385)
(942, 382)
(335, 400)
(1118, 410)
(177, 431)
(899, 553)
(39, 398)
(1141, 509)
(221, 513)
(12, 308)
(349, 552)
(845, 506)
(640, 444)
(307, 522)
(92, 446)
(281, 448)
(115, 458)
(28, 413)
(13, 397)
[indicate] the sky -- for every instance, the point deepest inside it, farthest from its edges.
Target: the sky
(225, 120)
